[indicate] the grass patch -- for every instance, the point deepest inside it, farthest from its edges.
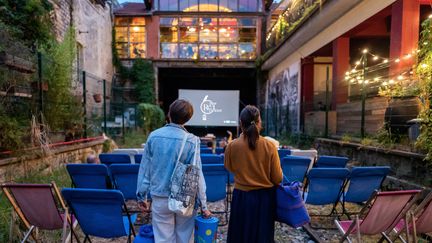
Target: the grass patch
(132, 139)
(59, 176)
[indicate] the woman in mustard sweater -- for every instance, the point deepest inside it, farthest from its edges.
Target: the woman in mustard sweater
(254, 161)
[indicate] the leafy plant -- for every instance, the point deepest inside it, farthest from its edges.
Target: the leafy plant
(150, 117)
(424, 73)
(62, 109)
(346, 138)
(30, 20)
(142, 76)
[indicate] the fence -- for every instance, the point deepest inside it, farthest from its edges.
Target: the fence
(60, 102)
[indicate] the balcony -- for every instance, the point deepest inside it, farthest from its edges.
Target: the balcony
(295, 14)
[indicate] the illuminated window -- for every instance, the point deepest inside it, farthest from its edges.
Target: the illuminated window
(209, 5)
(208, 38)
(130, 37)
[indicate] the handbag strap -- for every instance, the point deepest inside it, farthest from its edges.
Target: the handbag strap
(182, 146)
(194, 161)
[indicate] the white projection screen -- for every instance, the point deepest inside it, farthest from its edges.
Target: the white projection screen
(219, 108)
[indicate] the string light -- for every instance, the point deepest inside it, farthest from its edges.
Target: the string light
(391, 81)
(375, 58)
(384, 83)
(400, 77)
(424, 65)
(357, 63)
(365, 51)
(385, 61)
(397, 60)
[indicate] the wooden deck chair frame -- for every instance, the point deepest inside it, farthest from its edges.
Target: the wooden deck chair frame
(412, 217)
(365, 209)
(30, 228)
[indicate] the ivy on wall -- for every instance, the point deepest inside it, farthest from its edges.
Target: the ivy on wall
(424, 72)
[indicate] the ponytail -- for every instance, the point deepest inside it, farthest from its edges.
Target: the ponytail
(250, 123)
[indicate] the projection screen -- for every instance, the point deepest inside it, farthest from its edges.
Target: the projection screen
(213, 107)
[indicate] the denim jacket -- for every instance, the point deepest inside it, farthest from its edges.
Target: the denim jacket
(159, 160)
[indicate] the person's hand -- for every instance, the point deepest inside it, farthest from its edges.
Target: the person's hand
(229, 132)
(144, 206)
(206, 214)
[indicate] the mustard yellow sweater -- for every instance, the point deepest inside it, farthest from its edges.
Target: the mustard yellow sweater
(253, 169)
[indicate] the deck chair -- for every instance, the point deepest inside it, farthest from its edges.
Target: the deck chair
(206, 151)
(138, 158)
(212, 159)
(420, 221)
(38, 206)
(312, 154)
(283, 152)
(379, 215)
(216, 178)
(363, 182)
(125, 178)
(94, 176)
(324, 186)
(100, 212)
(220, 150)
(114, 159)
(331, 162)
(295, 167)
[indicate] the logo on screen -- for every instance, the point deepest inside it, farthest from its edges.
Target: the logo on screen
(208, 107)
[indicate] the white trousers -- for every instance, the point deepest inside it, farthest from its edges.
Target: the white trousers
(169, 227)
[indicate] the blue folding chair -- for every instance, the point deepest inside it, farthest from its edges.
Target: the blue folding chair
(219, 150)
(100, 212)
(114, 159)
(125, 177)
(216, 178)
(295, 167)
(331, 162)
(94, 176)
(206, 151)
(283, 152)
(324, 186)
(138, 158)
(212, 159)
(363, 182)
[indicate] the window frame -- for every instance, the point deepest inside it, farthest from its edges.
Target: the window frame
(128, 41)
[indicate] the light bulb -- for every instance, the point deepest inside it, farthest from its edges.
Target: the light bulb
(400, 77)
(375, 58)
(391, 81)
(385, 61)
(384, 83)
(357, 63)
(365, 51)
(424, 65)
(347, 73)
(397, 60)
(376, 79)
(366, 81)
(408, 56)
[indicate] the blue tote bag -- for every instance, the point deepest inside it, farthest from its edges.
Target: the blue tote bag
(290, 207)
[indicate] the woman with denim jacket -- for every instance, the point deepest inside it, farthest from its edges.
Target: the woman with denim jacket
(158, 162)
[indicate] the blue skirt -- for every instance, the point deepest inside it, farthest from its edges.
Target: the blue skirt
(252, 216)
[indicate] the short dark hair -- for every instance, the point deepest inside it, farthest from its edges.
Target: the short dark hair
(180, 111)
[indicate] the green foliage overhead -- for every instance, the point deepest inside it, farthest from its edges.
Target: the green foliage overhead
(62, 109)
(142, 76)
(30, 19)
(424, 72)
(150, 117)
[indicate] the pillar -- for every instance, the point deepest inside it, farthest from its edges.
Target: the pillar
(404, 34)
(341, 58)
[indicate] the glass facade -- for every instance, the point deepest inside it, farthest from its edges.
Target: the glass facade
(209, 5)
(130, 38)
(208, 38)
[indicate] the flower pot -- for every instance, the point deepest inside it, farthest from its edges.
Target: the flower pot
(97, 98)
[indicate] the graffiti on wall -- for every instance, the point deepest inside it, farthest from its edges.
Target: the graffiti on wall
(283, 102)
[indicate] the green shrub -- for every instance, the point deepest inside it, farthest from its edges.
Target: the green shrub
(150, 117)
(142, 76)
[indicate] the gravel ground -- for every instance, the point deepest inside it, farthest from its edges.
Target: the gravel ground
(283, 232)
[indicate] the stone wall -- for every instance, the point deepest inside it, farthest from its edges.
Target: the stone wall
(404, 165)
(93, 25)
(13, 168)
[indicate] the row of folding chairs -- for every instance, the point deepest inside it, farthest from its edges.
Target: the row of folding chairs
(339, 185)
(99, 212)
(100, 176)
(391, 214)
(207, 150)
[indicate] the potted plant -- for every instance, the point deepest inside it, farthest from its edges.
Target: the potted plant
(97, 98)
